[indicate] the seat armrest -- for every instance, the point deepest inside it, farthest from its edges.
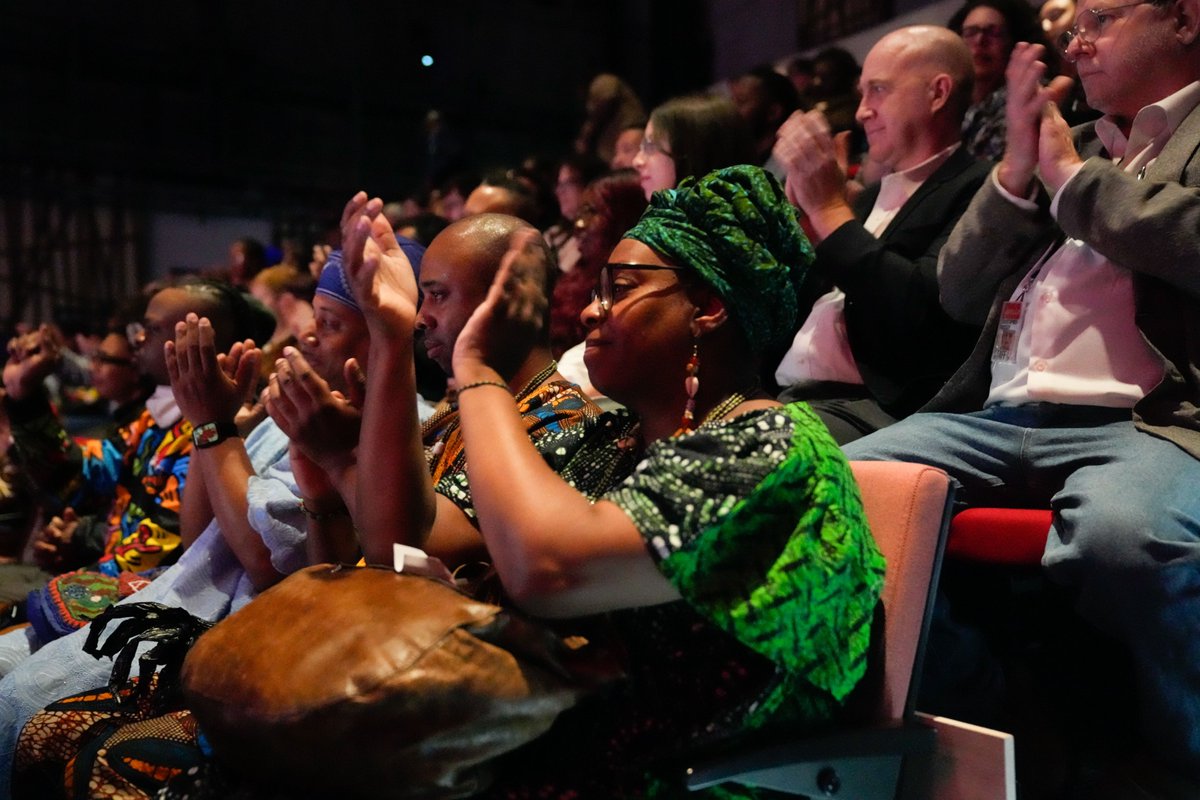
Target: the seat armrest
(863, 762)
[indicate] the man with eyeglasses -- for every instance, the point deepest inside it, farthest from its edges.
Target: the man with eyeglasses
(1081, 255)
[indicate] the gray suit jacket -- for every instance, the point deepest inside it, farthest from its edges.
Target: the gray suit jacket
(1151, 227)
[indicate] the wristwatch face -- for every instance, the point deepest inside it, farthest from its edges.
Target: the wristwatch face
(206, 434)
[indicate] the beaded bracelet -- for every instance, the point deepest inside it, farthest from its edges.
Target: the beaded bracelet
(477, 384)
(323, 515)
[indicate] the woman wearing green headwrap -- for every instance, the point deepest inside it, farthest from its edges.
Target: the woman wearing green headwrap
(729, 548)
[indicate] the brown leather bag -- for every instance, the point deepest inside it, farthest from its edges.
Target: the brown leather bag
(367, 682)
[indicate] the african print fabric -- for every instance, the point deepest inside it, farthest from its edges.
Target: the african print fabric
(141, 474)
(758, 523)
(96, 745)
(549, 408)
(68, 602)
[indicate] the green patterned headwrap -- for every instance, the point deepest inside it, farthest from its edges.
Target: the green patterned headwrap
(739, 233)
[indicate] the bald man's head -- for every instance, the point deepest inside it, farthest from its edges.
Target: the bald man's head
(916, 86)
(930, 50)
(457, 271)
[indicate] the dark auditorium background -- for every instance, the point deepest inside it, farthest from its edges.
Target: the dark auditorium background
(115, 114)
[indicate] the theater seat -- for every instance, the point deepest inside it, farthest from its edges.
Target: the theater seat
(908, 508)
(1012, 536)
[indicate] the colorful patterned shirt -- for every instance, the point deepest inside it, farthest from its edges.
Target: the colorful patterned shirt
(758, 523)
(137, 476)
(550, 407)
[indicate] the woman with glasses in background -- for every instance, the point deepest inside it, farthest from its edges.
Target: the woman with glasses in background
(691, 135)
(991, 28)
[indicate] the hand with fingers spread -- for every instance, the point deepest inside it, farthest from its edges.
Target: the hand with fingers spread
(816, 164)
(380, 274)
(360, 205)
(499, 332)
(1024, 112)
(324, 424)
(31, 358)
(52, 547)
(209, 387)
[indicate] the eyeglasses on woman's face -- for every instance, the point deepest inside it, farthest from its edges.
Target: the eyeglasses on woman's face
(988, 33)
(650, 148)
(605, 291)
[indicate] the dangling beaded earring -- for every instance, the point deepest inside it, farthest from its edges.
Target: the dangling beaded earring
(691, 385)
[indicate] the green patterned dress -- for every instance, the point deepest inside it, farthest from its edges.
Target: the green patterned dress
(758, 523)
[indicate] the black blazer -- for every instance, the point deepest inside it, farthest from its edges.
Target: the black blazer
(904, 343)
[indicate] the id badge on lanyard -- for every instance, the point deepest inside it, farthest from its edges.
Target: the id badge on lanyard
(1004, 351)
(1012, 313)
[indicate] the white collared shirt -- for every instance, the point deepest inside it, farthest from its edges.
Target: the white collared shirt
(1077, 342)
(821, 350)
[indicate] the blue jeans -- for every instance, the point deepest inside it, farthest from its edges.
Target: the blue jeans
(1126, 531)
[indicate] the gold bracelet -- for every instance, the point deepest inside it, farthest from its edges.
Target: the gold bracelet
(477, 384)
(322, 515)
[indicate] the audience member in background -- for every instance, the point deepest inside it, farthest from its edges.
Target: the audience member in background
(124, 390)
(877, 345)
(17, 511)
(611, 205)
(115, 374)
(501, 194)
(800, 72)
(394, 212)
(450, 199)
(539, 174)
(628, 142)
(120, 384)
(765, 99)
(422, 227)
(991, 28)
(316, 263)
(834, 87)
(287, 294)
(611, 106)
(691, 135)
(247, 257)
(1056, 18)
(574, 173)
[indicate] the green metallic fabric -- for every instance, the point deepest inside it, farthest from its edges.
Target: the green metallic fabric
(739, 233)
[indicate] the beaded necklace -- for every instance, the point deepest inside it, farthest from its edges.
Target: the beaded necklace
(724, 407)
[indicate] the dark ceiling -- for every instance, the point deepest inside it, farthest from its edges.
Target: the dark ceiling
(271, 107)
